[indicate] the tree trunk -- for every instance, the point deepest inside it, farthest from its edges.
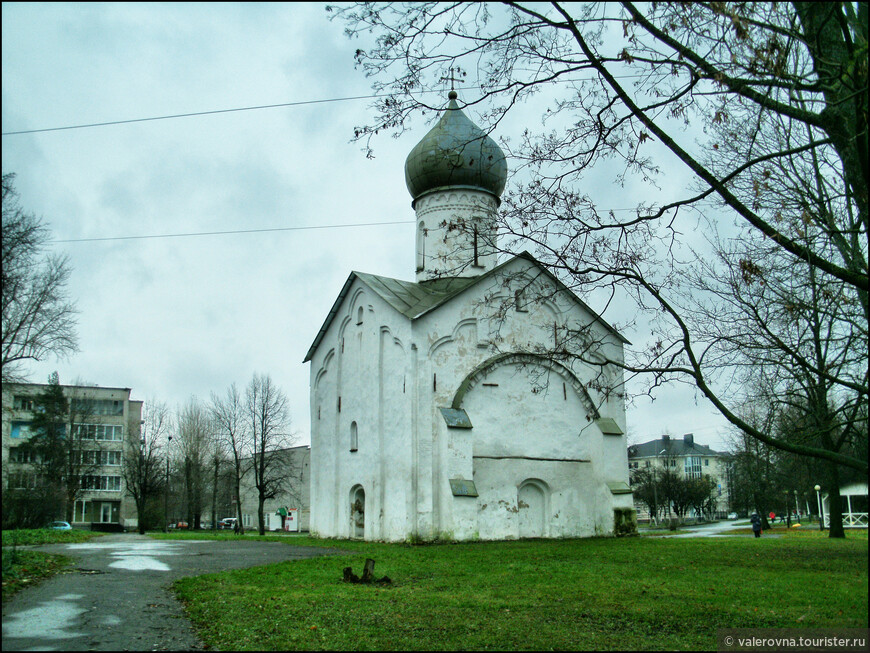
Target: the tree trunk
(140, 508)
(188, 481)
(260, 521)
(214, 493)
(239, 503)
(756, 500)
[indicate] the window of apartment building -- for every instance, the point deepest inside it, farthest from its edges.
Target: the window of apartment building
(706, 462)
(693, 467)
(108, 483)
(87, 510)
(19, 430)
(98, 406)
(112, 458)
(673, 462)
(21, 455)
(21, 480)
(646, 463)
(23, 403)
(100, 431)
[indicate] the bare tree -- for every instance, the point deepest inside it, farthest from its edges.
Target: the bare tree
(144, 459)
(764, 105)
(701, 493)
(788, 335)
(194, 436)
(269, 419)
(230, 417)
(644, 484)
(218, 455)
(38, 318)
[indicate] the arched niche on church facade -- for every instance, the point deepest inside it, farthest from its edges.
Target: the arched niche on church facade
(462, 340)
(357, 512)
(535, 453)
(533, 508)
(529, 361)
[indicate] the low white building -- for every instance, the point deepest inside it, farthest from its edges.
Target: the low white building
(436, 409)
(289, 509)
(853, 498)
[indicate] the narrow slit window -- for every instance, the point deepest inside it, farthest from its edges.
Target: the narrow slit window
(421, 246)
(359, 315)
(354, 436)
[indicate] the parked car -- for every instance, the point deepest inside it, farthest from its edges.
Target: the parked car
(60, 526)
(732, 515)
(181, 524)
(228, 523)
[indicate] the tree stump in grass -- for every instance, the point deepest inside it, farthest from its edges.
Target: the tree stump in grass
(368, 574)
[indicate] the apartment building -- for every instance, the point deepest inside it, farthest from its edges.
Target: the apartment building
(685, 456)
(105, 419)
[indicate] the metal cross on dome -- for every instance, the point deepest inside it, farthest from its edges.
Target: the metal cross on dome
(452, 79)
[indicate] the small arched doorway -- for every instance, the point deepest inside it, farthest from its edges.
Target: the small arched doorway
(532, 508)
(357, 512)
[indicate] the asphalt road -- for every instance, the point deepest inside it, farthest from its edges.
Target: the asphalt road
(117, 598)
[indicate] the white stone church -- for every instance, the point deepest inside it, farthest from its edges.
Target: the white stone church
(434, 412)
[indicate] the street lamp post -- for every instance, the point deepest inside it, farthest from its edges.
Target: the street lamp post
(166, 491)
(819, 500)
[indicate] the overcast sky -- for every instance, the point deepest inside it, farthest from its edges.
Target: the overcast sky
(176, 317)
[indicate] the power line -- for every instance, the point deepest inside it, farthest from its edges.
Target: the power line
(237, 109)
(238, 231)
(188, 115)
(254, 231)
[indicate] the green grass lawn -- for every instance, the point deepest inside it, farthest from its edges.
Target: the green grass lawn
(23, 568)
(633, 593)
(46, 536)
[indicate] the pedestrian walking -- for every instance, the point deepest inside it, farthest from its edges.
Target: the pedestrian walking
(756, 524)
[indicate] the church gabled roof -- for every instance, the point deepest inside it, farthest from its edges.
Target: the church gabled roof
(413, 300)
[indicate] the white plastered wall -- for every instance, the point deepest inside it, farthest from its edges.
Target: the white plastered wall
(393, 375)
